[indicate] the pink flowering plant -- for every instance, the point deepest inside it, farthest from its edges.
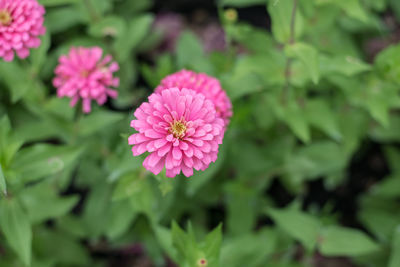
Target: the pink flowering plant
(21, 25)
(84, 75)
(181, 130)
(230, 133)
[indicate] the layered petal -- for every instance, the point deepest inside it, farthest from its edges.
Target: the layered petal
(180, 129)
(21, 22)
(204, 84)
(83, 74)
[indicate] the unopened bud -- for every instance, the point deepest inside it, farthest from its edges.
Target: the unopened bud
(231, 15)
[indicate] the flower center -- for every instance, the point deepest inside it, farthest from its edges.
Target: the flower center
(84, 74)
(178, 129)
(5, 18)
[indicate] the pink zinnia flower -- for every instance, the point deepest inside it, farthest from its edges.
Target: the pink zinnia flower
(204, 84)
(21, 22)
(180, 129)
(83, 74)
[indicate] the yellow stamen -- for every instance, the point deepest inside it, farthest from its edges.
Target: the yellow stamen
(5, 18)
(178, 129)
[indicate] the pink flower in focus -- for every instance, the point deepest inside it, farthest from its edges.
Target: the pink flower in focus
(204, 84)
(83, 74)
(180, 129)
(21, 22)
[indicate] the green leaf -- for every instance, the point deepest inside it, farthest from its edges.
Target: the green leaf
(138, 29)
(9, 145)
(353, 8)
(281, 16)
(97, 121)
(388, 134)
(341, 241)
(47, 243)
(250, 250)
(395, 254)
(242, 3)
(3, 185)
(42, 160)
(212, 246)
(57, 2)
(16, 78)
(255, 39)
(389, 187)
(63, 18)
(15, 226)
(201, 178)
(379, 216)
(242, 83)
(242, 208)
(317, 159)
(386, 63)
(185, 245)
(113, 26)
(392, 155)
(97, 209)
(42, 202)
(121, 217)
(395, 5)
(346, 65)
(39, 55)
(299, 225)
(294, 116)
(320, 115)
(190, 53)
(190, 253)
(308, 55)
(164, 67)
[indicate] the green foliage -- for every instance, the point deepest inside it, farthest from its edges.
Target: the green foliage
(15, 226)
(308, 168)
(340, 241)
(190, 253)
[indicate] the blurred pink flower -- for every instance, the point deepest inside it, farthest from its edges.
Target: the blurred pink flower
(180, 129)
(204, 84)
(21, 22)
(83, 74)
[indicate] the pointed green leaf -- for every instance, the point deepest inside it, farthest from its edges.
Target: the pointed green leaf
(190, 53)
(281, 16)
(320, 115)
(308, 55)
(341, 241)
(346, 65)
(15, 226)
(185, 244)
(295, 118)
(42, 202)
(353, 8)
(299, 225)
(395, 255)
(97, 121)
(212, 246)
(137, 29)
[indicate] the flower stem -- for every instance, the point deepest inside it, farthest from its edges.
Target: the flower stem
(286, 87)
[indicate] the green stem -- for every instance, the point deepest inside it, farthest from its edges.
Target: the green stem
(286, 87)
